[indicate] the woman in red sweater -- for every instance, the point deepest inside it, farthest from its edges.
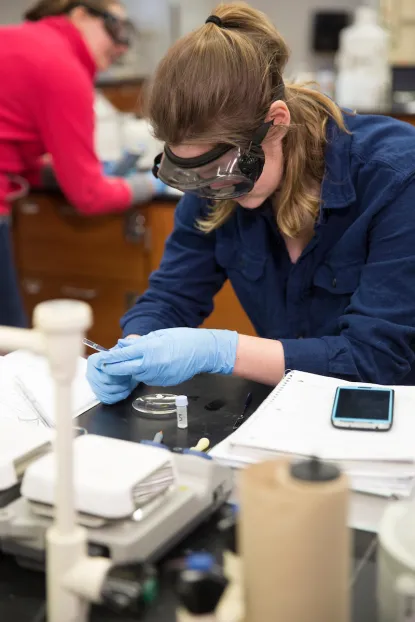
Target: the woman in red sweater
(47, 69)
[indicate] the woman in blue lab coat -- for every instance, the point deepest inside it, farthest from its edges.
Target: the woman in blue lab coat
(309, 211)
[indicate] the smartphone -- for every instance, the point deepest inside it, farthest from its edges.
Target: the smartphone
(363, 408)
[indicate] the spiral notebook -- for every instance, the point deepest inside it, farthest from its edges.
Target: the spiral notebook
(295, 420)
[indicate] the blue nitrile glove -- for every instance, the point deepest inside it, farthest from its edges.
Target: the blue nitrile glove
(171, 356)
(109, 389)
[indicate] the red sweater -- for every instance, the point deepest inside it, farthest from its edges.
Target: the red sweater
(47, 106)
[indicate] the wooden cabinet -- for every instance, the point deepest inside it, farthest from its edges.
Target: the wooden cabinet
(52, 239)
(109, 299)
(407, 118)
(102, 260)
(126, 97)
(105, 261)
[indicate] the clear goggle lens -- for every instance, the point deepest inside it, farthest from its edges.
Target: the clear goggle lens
(220, 179)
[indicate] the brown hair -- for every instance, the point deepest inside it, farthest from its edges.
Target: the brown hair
(216, 85)
(53, 8)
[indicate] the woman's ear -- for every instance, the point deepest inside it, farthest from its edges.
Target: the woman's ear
(279, 114)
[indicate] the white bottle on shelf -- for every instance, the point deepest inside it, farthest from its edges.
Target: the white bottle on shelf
(364, 76)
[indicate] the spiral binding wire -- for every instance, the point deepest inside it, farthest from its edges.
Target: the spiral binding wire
(270, 399)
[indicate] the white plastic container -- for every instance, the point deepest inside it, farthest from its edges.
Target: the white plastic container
(364, 77)
(181, 406)
(108, 138)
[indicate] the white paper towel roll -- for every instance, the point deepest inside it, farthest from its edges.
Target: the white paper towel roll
(295, 544)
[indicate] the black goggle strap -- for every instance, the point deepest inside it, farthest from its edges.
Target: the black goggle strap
(120, 30)
(156, 165)
(263, 129)
(187, 163)
(216, 152)
(209, 156)
(259, 136)
(113, 24)
(198, 161)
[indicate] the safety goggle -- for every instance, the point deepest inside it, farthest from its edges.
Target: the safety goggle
(224, 172)
(214, 175)
(120, 30)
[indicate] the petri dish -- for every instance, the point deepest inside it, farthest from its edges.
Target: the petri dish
(156, 405)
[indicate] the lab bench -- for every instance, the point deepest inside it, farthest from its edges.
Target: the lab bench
(104, 260)
(22, 591)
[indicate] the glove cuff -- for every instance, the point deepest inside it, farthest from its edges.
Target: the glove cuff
(223, 356)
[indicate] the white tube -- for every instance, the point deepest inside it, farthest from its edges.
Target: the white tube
(21, 339)
(87, 577)
(64, 552)
(60, 327)
(64, 491)
(63, 324)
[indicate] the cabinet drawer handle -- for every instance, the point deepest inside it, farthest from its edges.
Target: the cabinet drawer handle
(135, 227)
(65, 209)
(32, 286)
(79, 292)
(29, 209)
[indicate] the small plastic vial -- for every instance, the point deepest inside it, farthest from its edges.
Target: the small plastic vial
(181, 407)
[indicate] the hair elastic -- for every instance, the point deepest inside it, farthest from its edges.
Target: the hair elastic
(214, 19)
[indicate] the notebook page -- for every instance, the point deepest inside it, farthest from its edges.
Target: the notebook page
(34, 381)
(13, 404)
(299, 422)
(17, 440)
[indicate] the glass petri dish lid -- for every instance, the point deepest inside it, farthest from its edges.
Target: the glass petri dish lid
(156, 405)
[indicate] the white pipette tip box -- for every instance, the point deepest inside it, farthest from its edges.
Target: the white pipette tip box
(19, 446)
(112, 477)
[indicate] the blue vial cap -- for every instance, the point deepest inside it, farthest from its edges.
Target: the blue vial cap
(203, 562)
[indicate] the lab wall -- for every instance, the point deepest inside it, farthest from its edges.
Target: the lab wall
(11, 11)
(163, 20)
(293, 18)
